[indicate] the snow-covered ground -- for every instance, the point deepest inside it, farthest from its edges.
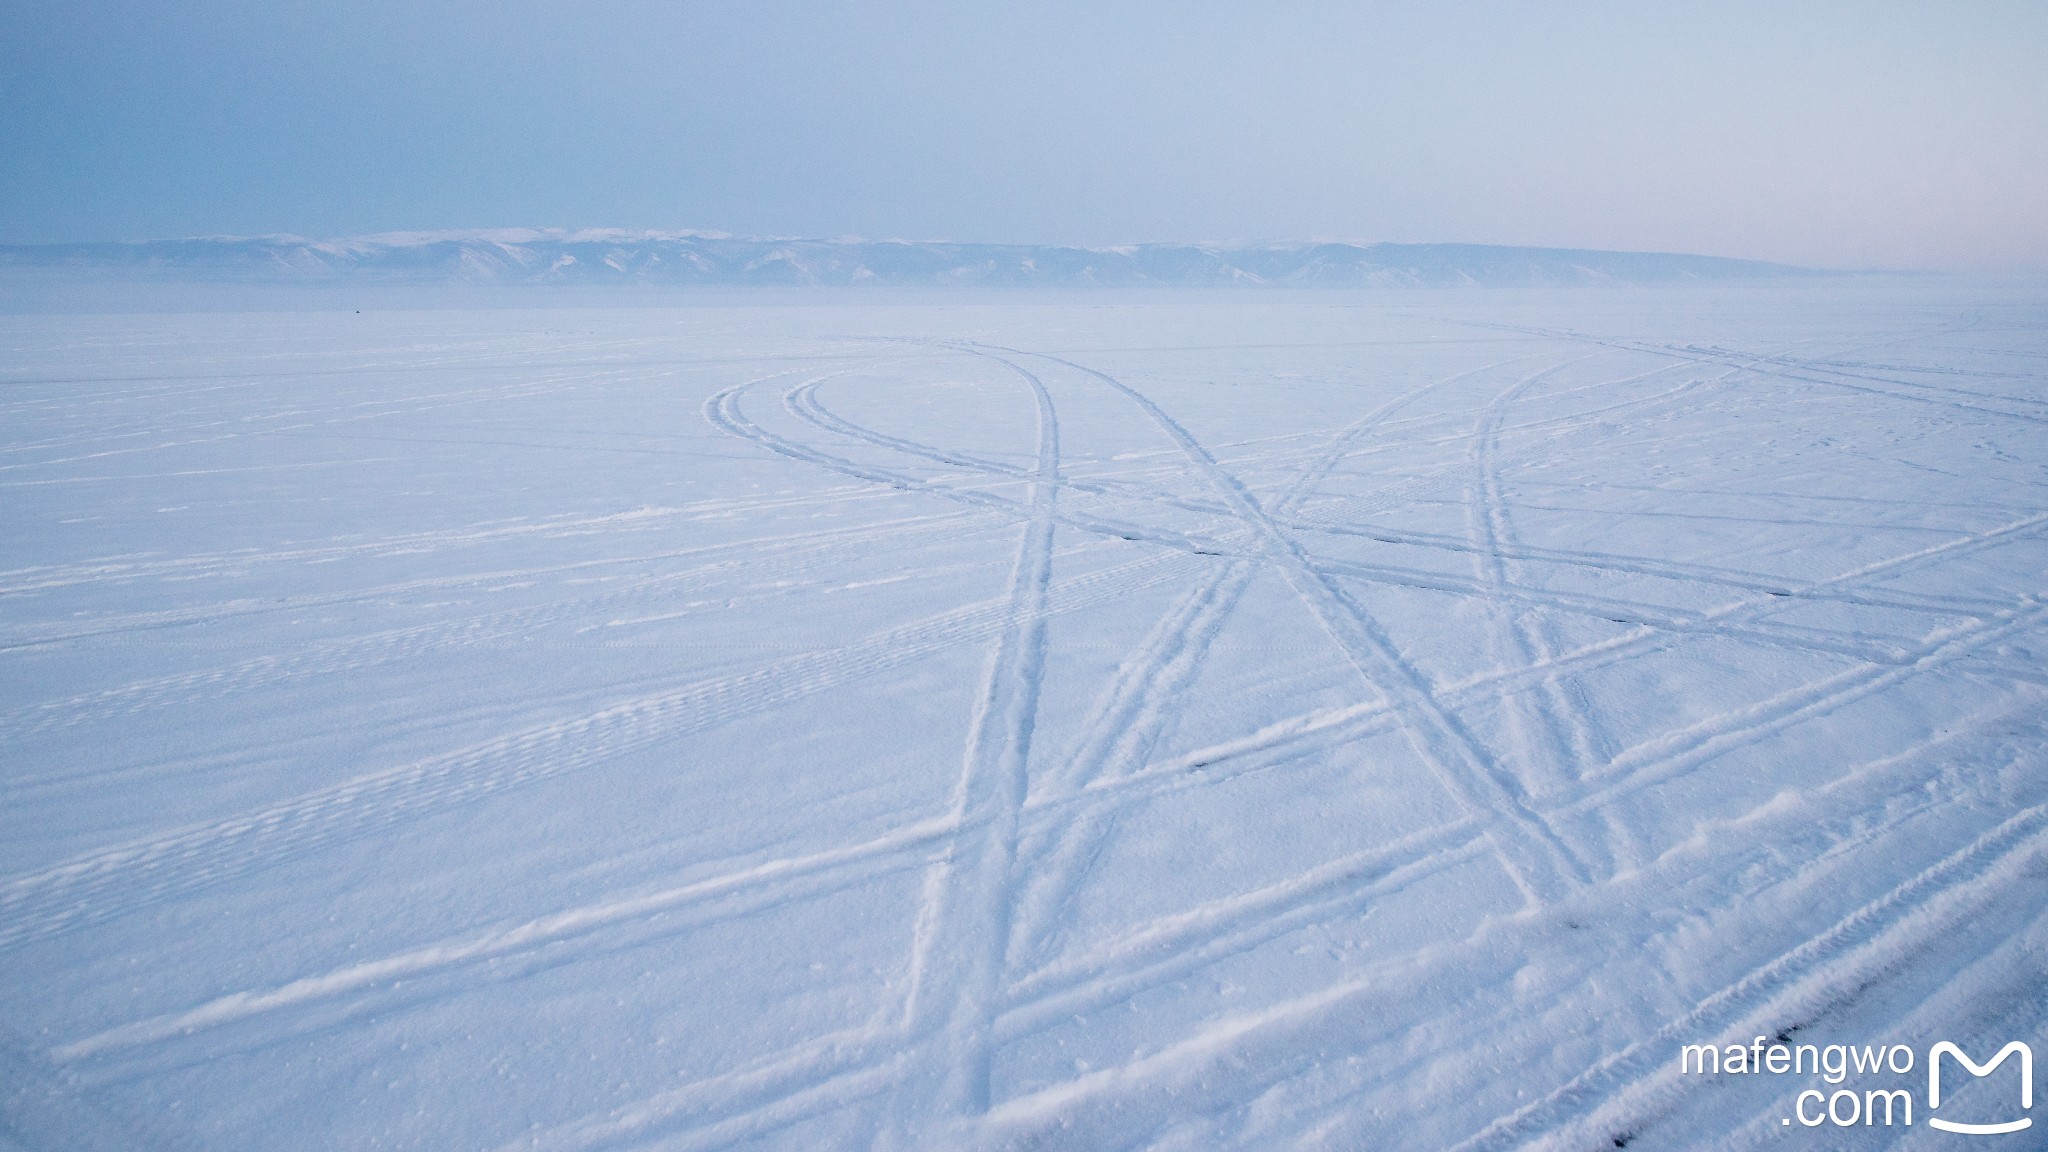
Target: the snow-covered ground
(1271, 720)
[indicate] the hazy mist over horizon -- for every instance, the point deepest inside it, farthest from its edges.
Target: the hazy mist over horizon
(1833, 135)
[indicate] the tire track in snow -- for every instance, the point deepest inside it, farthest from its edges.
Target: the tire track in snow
(1583, 604)
(1678, 622)
(1549, 731)
(1667, 757)
(730, 1109)
(1206, 766)
(966, 1093)
(1147, 694)
(1530, 850)
(102, 571)
(964, 924)
(436, 956)
(803, 402)
(736, 892)
(1099, 985)
(1152, 955)
(816, 869)
(1173, 946)
(1553, 725)
(1142, 701)
(111, 882)
(1759, 725)
(828, 1105)
(1732, 875)
(1237, 1058)
(125, 623)
(410, 406)
(1789, 369)
(1131, 725)
(1898, 600)
(1326, 730)
(724, 412)
(792, 557)
(1738, 729)
(1619, 1095)
(1953, 400)
(1146, 697)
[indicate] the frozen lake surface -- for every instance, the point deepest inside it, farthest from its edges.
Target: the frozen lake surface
(1272, 720)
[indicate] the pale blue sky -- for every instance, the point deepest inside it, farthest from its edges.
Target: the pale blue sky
(1823, 133)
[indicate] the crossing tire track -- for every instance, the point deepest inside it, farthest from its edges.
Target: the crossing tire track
(1148, 693)
(1623, 1092)
(1530, 850)
(964, 924)
(1239, 1057)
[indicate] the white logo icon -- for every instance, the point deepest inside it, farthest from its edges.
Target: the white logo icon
(1976, 1069)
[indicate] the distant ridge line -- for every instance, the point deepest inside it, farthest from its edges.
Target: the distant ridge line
(610, 256)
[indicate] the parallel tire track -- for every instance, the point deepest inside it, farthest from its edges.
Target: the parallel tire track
(964, 925)
(119, 880)
(1621, 1093)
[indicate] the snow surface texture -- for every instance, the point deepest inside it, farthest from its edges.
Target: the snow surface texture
(610, 256)
(1182, 722)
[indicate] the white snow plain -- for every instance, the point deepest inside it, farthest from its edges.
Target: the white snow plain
(1266, 720)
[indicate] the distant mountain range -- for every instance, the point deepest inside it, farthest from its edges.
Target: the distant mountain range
(532, 256)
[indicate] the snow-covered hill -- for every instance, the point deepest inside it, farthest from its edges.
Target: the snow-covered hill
(605, 256)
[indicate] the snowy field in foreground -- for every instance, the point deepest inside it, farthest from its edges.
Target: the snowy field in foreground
(1268, 720)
